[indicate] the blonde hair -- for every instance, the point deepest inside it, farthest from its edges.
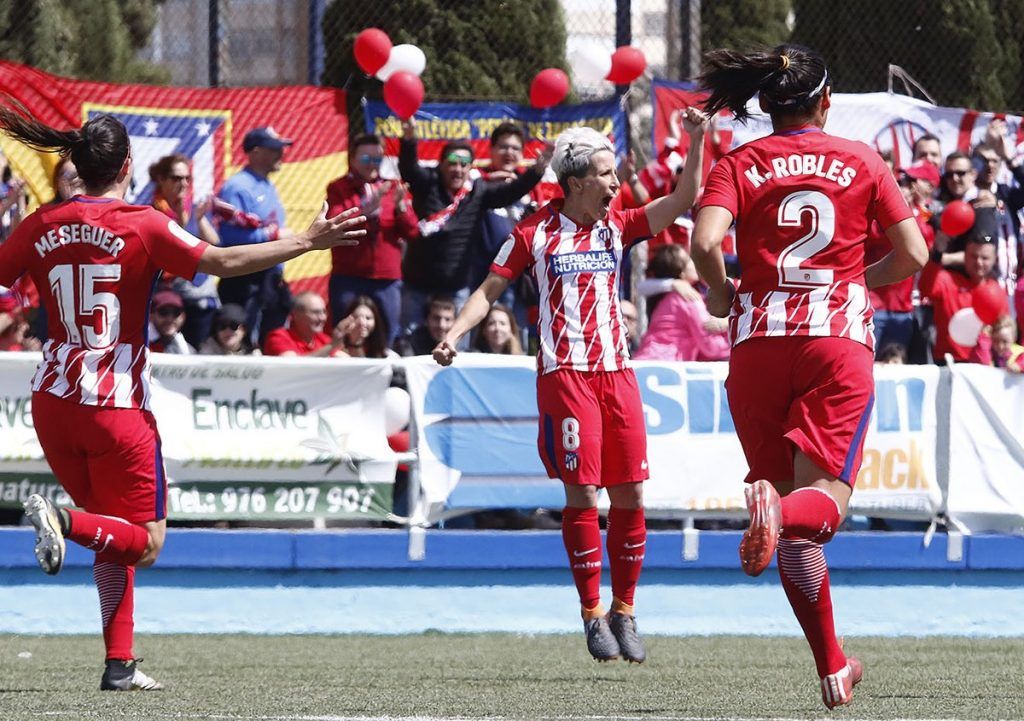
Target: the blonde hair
(574, 148)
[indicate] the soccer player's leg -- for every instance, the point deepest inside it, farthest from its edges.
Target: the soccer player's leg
(569, 442)
(827, 425)
(759, 394)
(625, 468)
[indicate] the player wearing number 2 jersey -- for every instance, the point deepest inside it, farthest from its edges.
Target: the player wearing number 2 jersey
(800, 383)
(95, 260)
(592, 431)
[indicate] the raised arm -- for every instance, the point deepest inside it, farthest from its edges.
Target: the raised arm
(409, 166)
(908, 255)
(470, 316)
(343, 229)
(662, 212)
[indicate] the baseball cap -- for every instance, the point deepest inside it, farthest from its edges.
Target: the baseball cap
(265, 137)
(230, 312)
(166, 297)
(923, 170)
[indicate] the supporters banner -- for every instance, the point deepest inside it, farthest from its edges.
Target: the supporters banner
(204, 124)
(242, 437)
(438, 123)
(885, 121)
(477, 426)
(985, 449)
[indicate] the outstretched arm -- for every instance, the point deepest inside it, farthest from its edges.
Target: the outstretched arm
(226, 262)
(662, 212)
(472, 313)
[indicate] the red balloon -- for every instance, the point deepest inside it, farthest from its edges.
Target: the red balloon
(549, 87)
(403, 92)
(372, 49)
(957, 218)
(628, 63)
(989, 301)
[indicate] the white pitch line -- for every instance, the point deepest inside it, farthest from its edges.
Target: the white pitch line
(303, 717)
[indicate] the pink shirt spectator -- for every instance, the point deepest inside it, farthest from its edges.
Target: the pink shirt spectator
(676, 332)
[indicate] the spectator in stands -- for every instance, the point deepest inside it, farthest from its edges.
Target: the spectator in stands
(304, 335)
(362, 329)
(928, 148)
(13, 326)
(891, 354)
(166, 318)
(499, 333)
(919, 183)
(13, 201)
(681, 327)
(228, 335)
(1006, 352)
(996, 150)
(253, 213)
(439, 316)
(172, 196)
(950, 290)
(373, 267)
(449, 205)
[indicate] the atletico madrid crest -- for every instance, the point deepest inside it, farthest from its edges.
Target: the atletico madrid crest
(571, 461)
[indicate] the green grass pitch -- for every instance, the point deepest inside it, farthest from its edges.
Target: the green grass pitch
(502, 676)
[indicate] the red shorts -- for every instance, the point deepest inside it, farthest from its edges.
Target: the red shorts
(108, 459)
(812, 393)
(592, 429)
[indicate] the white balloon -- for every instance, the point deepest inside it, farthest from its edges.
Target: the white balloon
(397, 404)
(403, 57)
(590, 63)
(965, 327)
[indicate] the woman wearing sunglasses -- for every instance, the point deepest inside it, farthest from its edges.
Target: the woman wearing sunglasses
(228, 335)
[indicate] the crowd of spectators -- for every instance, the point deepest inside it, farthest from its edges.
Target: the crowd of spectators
(433, 231)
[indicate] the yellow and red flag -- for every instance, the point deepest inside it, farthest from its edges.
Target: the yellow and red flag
(204, 124)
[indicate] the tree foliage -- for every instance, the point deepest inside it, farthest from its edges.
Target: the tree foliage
(745, 24)
(90, 39)
(963, 52)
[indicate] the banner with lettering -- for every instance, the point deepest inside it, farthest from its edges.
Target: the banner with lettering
(438, 123)
(245, 437)
(477, 425)
(985, 446)
(885, 121)
(207, 126)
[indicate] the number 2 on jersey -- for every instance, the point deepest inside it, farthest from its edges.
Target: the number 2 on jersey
(66, 284)
(792, 209)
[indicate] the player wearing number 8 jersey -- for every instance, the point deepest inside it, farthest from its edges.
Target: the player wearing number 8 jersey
(591, 432)
(800, 383)
(95, 260)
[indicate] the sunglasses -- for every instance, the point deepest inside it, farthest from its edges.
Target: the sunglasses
(180, 178)
(956, 173)
(457, 159)
(371, 159)
(228, 325)
(169, 311)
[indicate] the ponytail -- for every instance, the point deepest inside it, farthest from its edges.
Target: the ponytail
(790, 80)
(98, 149)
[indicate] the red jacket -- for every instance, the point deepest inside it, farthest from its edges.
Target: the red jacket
(950, 291)
(379, 253)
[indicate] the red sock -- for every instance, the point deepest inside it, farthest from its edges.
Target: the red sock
(810, 513)
(581, 534)
(116, 586)
(627, 540)
(113, 539)
(804, 576)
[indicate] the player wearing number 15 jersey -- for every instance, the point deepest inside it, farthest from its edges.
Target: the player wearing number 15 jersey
(95, 260)
(592, 433)
(800, 383)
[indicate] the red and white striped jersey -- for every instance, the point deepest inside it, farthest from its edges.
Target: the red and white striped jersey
(577, 273)
(95, 262)
(803, 202)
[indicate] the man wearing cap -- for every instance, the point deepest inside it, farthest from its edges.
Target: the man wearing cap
(449, 205)
(166, 317)
(258, 218)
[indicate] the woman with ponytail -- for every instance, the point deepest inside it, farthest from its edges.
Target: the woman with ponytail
(96, 260)
(800, 383)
